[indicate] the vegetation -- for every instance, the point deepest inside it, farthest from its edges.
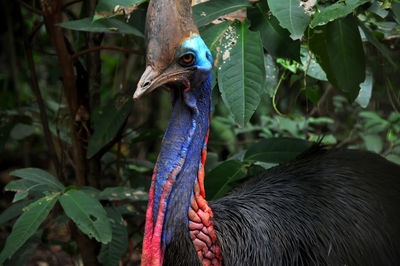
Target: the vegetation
(77, 153)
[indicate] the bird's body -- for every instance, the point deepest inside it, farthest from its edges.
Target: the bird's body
(327, 207)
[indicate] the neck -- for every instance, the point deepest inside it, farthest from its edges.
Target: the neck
(176, 198)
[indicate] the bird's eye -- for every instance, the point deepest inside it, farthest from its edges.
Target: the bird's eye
(186, 60)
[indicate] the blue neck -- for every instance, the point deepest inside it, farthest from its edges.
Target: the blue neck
(180, 156)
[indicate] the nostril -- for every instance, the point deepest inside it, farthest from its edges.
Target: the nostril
(146, 84)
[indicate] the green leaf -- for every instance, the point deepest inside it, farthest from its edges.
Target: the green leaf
(111, 253)
(241, 73)
(212, 36)
(107, 25)
(380, 46)
(105, 8)
(21, 131)
(337, 10)
(24, 187)
(221, 179)
(272, 74)
(13, 211)
(277, 150)
(88, 214)
(373, 143)
(122, 193)
(206, 12)
(314, 69)
(291, 16)
(339, 51)
(24, 253)
(27, 224)
(275, 39)
(38, 176)
(107, 122)
(364, 96)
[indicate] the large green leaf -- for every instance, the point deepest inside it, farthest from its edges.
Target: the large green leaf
(339, 51)
(291, 16)
(206, 12)
(27, 224)
(107, 122)
(222, 178)
(88, 214)
(38, 176)
(335, 11)
(275, 39)
(212, 36)
(107, 25)
(241, 71)
(112, 252)
(277, 150)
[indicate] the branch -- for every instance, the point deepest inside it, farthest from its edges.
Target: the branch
(30, 8)
(51, 15)
(94, 49)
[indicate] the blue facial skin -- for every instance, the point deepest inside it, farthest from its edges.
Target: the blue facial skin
(184, 139)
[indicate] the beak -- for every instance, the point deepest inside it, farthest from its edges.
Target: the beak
(152, 79)
(145, 83)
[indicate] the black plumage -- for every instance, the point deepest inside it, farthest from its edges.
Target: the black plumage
(327, 207)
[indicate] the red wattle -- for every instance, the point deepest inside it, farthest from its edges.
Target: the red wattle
(200, 216)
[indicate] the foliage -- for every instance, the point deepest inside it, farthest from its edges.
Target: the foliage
(286, 74)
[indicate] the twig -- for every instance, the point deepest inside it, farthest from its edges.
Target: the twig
(43, 114)
(283, 76)
(30, 8)
(93, 49)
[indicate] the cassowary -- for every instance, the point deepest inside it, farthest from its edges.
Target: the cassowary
(327, 207)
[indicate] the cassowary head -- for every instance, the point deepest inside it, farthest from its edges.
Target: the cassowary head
(175, 53)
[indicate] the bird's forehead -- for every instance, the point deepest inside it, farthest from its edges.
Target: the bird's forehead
(194, 42)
